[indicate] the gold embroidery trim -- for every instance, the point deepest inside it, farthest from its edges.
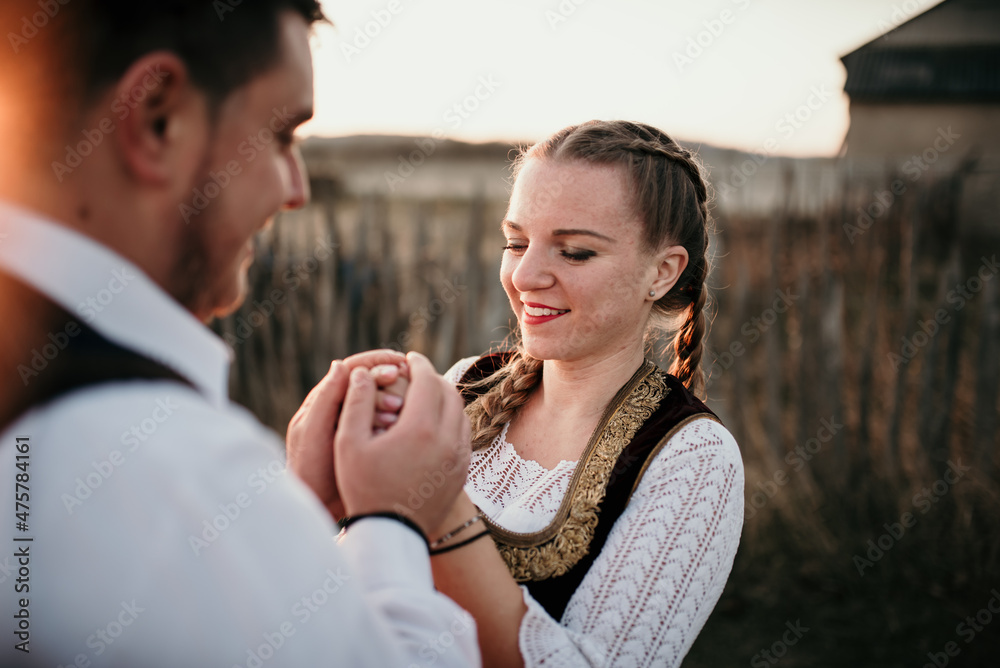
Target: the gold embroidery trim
(558, 547)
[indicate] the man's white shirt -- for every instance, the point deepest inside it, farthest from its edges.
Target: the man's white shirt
(165, 531)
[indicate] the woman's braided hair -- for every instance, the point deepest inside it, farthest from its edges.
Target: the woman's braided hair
(670, 196)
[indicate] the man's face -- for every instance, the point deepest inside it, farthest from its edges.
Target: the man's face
(251, 171)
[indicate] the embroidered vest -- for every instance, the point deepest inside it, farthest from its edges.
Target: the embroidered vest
(645, 413)
(46, 352)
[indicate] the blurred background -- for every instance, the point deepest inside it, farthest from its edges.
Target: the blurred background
(854, 151)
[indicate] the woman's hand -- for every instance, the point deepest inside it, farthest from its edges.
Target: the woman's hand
(392, 381)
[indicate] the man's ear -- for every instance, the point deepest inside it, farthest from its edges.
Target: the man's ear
(156, 109)
(672, 262)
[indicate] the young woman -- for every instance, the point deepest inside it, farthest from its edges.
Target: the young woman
(613, 496)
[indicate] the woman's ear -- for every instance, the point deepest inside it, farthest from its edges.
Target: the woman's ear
(157, 112)
(672, 262)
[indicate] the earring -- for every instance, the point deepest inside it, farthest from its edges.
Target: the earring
(652, 293)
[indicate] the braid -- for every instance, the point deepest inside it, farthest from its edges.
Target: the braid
(689, 340)
(680, 156)
(690, 289)
(688, 343)
(511, 387)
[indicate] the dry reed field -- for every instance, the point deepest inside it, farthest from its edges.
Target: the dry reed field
(867, 417)
(856, 362)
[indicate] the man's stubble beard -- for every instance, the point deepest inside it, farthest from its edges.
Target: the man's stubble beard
(197, 283)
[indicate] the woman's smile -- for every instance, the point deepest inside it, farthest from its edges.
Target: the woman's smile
(536, 314)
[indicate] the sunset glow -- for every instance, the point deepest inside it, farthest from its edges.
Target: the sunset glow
(733, 73)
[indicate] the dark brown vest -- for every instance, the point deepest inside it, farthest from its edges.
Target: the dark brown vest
(46, 352)
(657, 405)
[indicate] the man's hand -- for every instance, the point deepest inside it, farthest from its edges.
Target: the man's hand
(309, 441)
(416, 468)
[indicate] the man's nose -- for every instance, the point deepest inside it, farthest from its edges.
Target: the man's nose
(298, 182)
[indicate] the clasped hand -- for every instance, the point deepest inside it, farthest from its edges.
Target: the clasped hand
(353, 445)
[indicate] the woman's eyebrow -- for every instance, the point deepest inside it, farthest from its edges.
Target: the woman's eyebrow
(576, 232)
(560, 232)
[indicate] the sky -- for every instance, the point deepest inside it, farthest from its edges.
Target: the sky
(731, 73)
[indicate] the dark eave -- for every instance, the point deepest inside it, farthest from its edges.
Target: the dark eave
(942, 74)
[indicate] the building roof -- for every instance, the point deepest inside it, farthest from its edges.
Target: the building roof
(949, 53)
(949, 74)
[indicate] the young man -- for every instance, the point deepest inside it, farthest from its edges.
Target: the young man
(144, 519)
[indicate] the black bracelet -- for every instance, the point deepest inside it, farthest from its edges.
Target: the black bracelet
(449, 548)
(345, 522)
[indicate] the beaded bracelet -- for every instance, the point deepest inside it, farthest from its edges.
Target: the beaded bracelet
(451, 534)
(465, 542)
(345, 522)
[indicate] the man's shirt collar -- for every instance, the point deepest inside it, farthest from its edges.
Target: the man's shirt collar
(113, 296)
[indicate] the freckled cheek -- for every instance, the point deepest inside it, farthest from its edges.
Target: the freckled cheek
(622, 298)
(631, 284)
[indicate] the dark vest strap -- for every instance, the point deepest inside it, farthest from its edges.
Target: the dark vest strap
(47, 352)
(678, 407)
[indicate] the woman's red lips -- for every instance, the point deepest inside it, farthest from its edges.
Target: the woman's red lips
(536, 314)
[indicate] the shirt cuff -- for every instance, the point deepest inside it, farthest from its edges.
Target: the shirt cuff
(385, 553)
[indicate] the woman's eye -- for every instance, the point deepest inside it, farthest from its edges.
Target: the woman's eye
(578, 255)
(571, 255)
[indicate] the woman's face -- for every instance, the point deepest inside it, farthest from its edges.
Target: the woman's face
(574, 268)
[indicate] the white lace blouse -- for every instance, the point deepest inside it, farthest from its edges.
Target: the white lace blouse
(665, 563)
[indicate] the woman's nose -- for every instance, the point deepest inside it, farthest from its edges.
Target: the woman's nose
(533, 271)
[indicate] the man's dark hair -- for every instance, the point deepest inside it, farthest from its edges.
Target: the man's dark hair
(88, 44)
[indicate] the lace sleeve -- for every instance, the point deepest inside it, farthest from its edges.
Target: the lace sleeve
(663, 568)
